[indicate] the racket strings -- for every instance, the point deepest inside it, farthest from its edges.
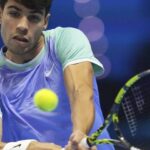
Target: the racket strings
(130, 116)
(137, 99)
(135, 115)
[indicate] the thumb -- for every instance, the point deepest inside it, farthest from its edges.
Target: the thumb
(77, 136)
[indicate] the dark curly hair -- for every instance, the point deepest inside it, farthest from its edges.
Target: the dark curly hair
(32, 4)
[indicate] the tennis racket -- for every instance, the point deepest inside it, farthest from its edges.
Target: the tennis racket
(129, 115)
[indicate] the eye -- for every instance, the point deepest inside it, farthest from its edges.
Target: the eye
(14, 14)
(34, 18)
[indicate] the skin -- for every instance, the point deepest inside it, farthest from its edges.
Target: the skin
(79, 83)
(21, 31)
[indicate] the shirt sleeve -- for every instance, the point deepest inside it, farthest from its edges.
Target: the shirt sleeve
(72, 47)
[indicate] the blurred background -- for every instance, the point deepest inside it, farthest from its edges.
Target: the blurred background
(119, 32)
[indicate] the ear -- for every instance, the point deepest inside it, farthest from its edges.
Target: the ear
(46, 21)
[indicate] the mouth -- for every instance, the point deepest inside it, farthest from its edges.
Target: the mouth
(21, 39)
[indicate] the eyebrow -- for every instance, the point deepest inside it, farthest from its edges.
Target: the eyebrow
(14, 7)
(32, 11)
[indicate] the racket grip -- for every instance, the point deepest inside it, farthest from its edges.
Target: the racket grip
(83, 142)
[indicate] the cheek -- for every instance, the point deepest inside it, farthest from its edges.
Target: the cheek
(37, 34)
(3, 32)
(7, 25)
(6, 30)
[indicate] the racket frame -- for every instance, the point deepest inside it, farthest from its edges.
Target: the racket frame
(113, 117)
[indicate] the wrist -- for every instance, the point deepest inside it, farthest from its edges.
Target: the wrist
(79, 131)
(77, 136)
(33, 145)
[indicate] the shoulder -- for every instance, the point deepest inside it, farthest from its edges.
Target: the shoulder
(72, 46)
(59, 32)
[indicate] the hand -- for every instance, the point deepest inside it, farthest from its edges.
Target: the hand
(43, 146)
(74, 142)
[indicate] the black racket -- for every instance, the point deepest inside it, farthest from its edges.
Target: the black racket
(130, 116)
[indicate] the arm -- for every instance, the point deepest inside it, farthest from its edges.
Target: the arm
(34, 145)
(79, 84)
(1, 143)
(43, 146)
(0, 128)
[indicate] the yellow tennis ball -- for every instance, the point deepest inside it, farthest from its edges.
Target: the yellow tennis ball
(46, 100)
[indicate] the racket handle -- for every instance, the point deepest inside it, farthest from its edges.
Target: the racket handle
(84, 143)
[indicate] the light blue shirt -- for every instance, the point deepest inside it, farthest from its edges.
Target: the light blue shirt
(19, 82)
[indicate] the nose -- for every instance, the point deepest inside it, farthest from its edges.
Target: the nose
(22, 27)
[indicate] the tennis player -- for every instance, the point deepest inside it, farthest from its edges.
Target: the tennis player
(60, 59)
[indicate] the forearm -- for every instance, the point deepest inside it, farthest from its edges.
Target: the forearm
(39, 146)
(2, 145)
(43, 146)
(33, 145)
(79, 84)
(82, 110)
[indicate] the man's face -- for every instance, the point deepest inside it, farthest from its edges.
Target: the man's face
(21, 27)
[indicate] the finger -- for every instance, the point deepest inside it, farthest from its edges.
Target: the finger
(93, 148)
(72, 145)
(76, 136)
(68, 146)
